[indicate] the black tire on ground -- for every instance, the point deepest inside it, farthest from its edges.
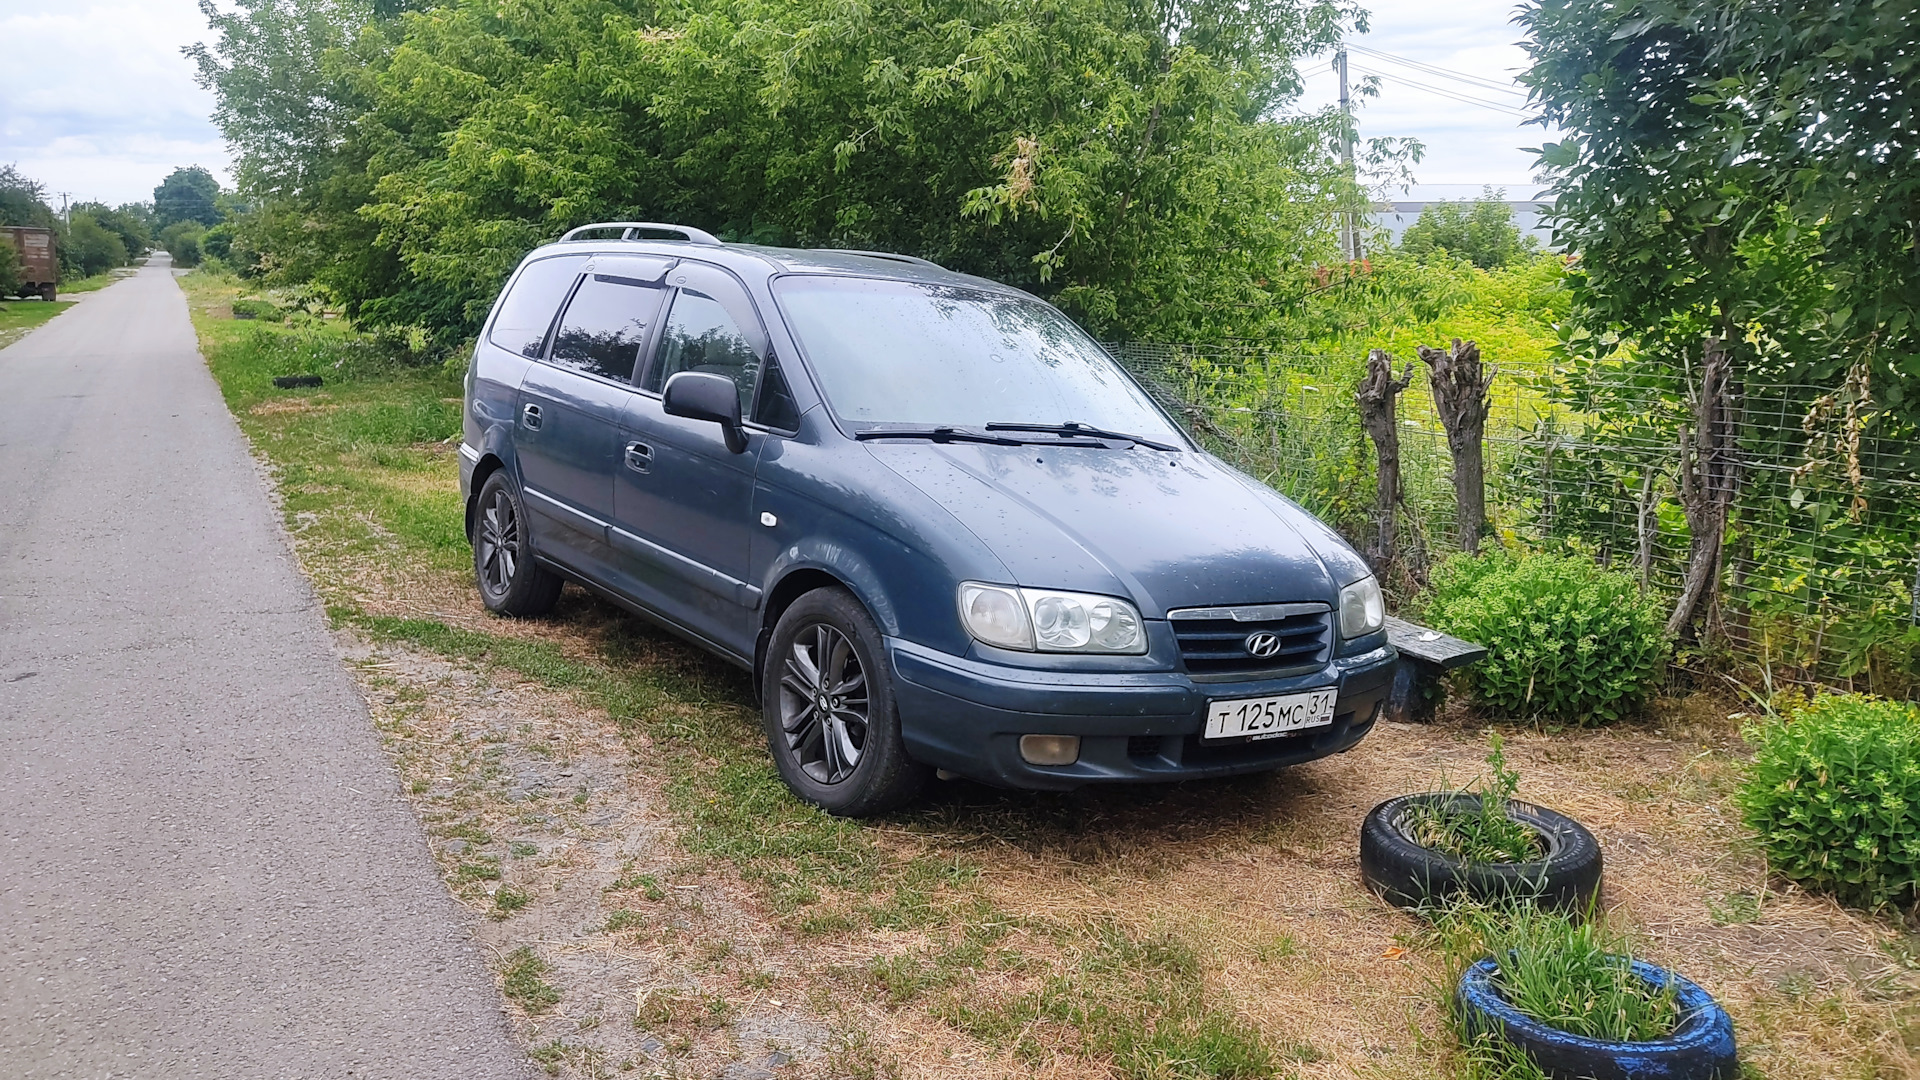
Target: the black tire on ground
(828, 708)
(511, 580)
(1408, 875)
(1701, 1047)
(49, 293)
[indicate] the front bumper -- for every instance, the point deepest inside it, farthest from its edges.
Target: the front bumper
(967, 717)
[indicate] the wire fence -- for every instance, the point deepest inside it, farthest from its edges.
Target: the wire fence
(1820, 579)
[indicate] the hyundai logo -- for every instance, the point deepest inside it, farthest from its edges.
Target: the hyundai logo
(1263, 645)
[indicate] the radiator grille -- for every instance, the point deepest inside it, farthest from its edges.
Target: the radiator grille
(1215, 641)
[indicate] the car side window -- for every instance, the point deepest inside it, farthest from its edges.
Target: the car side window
(606, 326)
(702, 335)
(776, 407)
(527, 312)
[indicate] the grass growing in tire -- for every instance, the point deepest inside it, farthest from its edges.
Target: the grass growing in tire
(1486, 834)
(1567, 970)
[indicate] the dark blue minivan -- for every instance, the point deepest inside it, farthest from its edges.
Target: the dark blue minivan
(941, 526)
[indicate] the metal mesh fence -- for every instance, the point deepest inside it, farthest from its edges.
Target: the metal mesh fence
(1820, 580)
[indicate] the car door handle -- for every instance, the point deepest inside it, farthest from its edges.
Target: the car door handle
(530, 416)
(639, 456)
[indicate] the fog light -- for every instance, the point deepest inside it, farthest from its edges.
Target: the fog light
(1050, 749)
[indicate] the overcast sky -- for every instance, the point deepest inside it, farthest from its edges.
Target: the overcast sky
(96, 100)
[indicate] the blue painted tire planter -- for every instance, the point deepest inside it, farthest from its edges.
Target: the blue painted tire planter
(1700, 1048)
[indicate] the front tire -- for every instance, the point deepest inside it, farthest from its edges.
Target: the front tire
(828, 707)
(511, 581)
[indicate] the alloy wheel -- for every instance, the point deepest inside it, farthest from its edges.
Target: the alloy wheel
(824, 711)
(499, 543)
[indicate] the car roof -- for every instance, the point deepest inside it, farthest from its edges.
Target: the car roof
(757, 260)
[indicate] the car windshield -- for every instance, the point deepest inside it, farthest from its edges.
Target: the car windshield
(909, 353)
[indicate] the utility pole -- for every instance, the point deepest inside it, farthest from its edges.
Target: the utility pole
(68, 218)
(1350, 225)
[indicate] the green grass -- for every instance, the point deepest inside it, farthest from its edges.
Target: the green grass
(1565, 970)
(97, 281)
(522, 978)
(18, 318)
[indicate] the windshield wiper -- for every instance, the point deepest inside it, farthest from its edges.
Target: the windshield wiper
(940, 435)
(953, 434)
(1071, 428)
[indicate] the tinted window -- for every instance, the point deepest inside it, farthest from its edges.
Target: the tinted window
(897, 352)
(701, 336)
(605, 327)
(527, 312)
(776, 407)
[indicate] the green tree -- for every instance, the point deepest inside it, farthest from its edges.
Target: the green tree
(131, 226)
(1482, 232)
(182, 240)
(188, 194)
(89, 247)
(22, 200)
(1740, 182)
(1122, 158)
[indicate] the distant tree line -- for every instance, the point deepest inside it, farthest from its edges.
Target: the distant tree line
(185, 218)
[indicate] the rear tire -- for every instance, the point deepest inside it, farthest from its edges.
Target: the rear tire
(828, 708)
(49, 293)
(511, 580)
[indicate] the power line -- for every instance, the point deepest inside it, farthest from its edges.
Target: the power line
(1445, 73)
(1445, 93)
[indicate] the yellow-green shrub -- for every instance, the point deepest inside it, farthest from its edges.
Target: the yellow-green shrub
(1834, 794)
(1566, 640)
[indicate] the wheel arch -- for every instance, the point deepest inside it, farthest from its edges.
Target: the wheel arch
(488, 464)
(795, 584)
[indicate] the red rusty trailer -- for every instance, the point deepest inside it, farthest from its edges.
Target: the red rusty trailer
(39, 259)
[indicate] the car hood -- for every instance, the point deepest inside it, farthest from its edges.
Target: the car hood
(1169, 530)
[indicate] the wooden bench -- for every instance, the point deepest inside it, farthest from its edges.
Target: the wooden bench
(1427, 656)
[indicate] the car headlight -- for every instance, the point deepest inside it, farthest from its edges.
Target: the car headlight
(1046, 620)
(1362, 609)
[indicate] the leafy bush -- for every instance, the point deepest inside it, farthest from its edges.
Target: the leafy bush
(1566, 640)
(262, 310)
(1834, 793)
(182, 241)
(9, 270)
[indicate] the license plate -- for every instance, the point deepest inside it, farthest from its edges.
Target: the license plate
(1269, 717)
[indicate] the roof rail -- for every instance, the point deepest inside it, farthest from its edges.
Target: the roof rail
(628, 228)
(915, 259)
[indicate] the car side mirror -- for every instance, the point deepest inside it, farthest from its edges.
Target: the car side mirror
(703, 395)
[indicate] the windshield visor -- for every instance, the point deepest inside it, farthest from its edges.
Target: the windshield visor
(893, 353)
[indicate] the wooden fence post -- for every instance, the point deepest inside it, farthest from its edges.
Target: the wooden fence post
(1377, 396)
(1460, 396)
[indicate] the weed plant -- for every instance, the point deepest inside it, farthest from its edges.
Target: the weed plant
(1834, 796)
(1485, 833)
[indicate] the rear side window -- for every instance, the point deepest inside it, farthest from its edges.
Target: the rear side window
(527, 312)
(606, 326)
(702, 336)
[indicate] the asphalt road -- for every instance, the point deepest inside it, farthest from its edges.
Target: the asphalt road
(206, 865)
